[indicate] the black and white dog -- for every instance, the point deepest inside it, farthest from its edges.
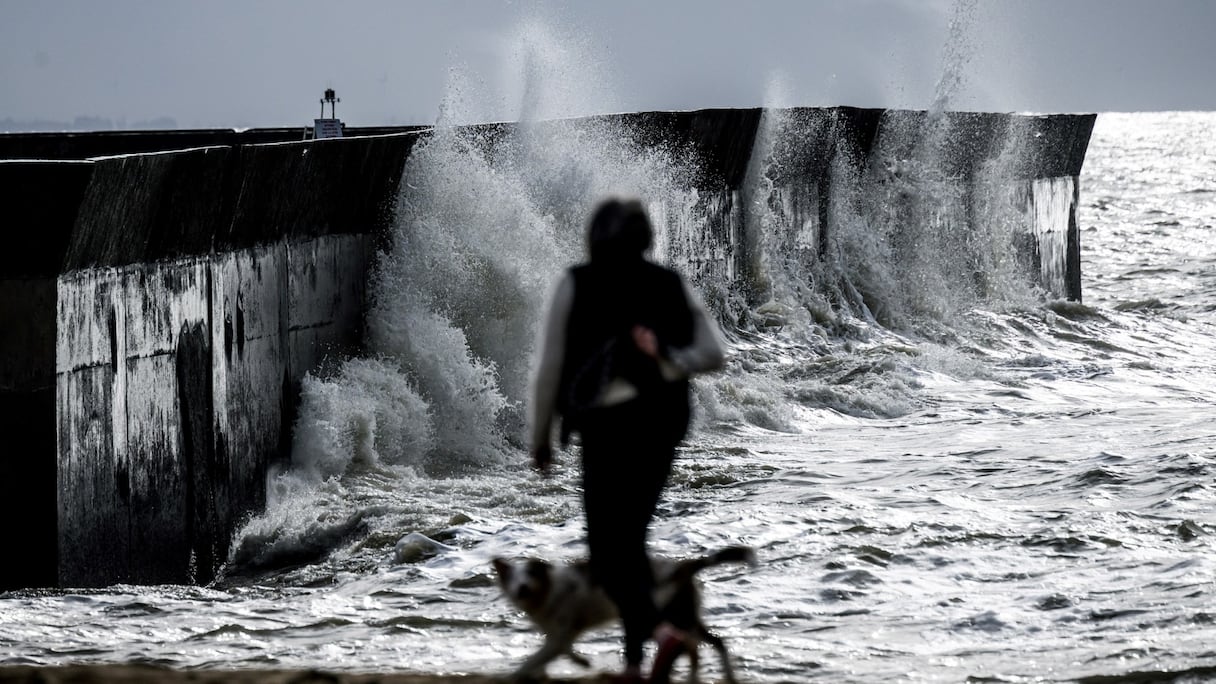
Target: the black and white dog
(563, 603)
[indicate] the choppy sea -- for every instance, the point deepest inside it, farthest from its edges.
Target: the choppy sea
(996, 487)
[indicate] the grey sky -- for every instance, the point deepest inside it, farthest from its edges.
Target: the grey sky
(265, 63)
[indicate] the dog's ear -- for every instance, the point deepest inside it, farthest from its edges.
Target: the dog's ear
(502, 568)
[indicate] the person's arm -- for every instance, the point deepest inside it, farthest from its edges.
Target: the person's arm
(552, 349)
(707, 351)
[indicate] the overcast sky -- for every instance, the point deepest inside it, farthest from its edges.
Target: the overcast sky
(225, 63)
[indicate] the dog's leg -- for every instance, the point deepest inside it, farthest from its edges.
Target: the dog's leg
(720, 646)
(694, 664)
(534, 666)
(577, 658)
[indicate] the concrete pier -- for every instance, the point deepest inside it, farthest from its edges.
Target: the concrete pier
(159, 312)
(159, 309)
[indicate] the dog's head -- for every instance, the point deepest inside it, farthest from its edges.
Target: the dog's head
(525, 583)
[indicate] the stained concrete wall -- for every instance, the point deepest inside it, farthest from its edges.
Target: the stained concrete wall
(159, 309)
(175, 382)
(808, 154)
(812, 157)
(199, 286)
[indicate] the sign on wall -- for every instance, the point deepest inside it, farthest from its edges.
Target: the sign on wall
(326, 128)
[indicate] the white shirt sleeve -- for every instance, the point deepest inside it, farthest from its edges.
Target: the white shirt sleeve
(551, 349)
(707, 351)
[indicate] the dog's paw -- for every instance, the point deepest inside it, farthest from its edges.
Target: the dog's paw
(526, 677)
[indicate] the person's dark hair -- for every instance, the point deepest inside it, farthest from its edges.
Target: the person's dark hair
(619, 230)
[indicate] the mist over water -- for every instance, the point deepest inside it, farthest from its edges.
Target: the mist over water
(947, 474)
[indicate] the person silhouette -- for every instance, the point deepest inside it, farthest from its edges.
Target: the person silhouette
(621, 339)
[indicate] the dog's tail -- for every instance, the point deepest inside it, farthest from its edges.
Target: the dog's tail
(731, 554)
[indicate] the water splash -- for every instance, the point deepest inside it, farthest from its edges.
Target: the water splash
(368, 413)
(824, 324)
(487, 218)
(957, 54)
(554, 72)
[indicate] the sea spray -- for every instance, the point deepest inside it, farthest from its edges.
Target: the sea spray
(957, 54)
(846, 321)
(487, 219)
(366, 414)
(455, 300)
(555, 71)
(868, 276)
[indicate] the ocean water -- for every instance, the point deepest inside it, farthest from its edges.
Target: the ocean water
(942, 482)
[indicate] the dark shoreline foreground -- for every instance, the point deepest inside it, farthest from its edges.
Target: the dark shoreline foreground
(147, 674)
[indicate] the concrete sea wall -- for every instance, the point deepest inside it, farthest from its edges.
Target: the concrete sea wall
(158, 317)
(158, 310)
(810, 157)
(87, 145)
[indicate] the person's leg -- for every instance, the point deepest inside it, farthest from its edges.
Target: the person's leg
(624, 472)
